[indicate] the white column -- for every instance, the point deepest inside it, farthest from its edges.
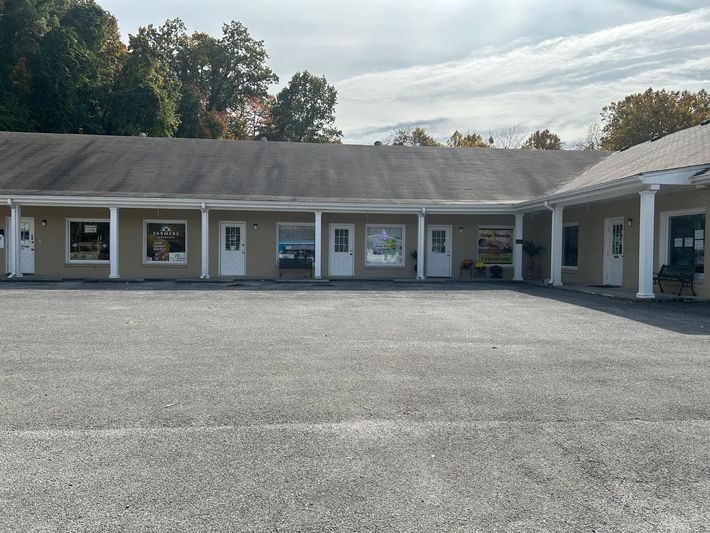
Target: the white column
(421, 245)
(319, 245)
(646, 219)
(14, 241)
(113, 243)
(518, 248)
(205, 244)
(556, 247)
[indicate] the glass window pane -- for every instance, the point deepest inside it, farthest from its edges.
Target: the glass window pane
(297, 242)
(570, 246)
(687, 241)
(89, 240)
(166, 242)
(385, 245)
(340, 244)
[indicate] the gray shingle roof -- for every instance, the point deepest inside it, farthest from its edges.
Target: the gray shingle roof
(685, 148)
(51, 164)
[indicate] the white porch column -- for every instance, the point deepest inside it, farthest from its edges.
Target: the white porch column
(556, 247)
(646, 218)
(518, 248)
(205, 243)
(14, 241)
(421, 244)
(319, 245)
(113, 243)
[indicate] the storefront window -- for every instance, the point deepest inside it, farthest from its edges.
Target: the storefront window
(165, 241)
(687, 241)
(297, 241)
(88, 240)
(384, 245)
(570, 245)
(495, 246)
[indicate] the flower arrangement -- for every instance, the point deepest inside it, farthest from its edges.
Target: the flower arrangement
(480, 266)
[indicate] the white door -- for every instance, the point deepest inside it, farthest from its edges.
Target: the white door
(27, 245)
(340, 258)
(438, 256)
(232, 249)
(613, 251)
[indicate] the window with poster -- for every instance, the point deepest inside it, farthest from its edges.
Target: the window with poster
(165, 242)
(87, 240)
(686, 240)
(384, 245)
(495, 245)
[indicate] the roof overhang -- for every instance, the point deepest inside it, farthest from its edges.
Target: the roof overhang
(689, 176)
(414, 207)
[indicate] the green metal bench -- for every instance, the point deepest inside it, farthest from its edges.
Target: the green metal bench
(685, 275)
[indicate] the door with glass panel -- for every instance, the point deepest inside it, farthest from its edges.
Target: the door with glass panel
(27, 245)
(613, 251)
(340, 259)
(438, 256)
(232, 249)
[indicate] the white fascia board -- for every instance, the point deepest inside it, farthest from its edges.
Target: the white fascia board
(581, 196)
(677, 176)
(244, 205)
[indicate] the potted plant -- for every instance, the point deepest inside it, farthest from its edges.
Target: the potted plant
(531, 249)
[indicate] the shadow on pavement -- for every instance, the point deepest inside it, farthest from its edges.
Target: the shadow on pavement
(685, 317)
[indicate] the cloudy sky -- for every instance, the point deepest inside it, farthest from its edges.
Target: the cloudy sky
(468, 65)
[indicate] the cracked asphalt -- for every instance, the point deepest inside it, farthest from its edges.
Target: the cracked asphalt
(350, 407)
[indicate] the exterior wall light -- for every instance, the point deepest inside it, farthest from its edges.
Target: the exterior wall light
(255, 226)
(629, 222)
(460, 229)
(44, 223)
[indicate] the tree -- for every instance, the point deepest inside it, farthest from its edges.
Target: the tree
(304, 111)
(212, 77)
(470, 140)
(543, 140)
(507, 137)
(640, 117)
(592, 139)
(417, 136)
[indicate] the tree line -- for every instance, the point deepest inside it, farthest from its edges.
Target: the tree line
(64, 69)
(637, 118)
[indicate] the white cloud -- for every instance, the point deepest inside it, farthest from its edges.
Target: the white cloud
(560, 83)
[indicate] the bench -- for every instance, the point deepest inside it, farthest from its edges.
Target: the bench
(685, 275)
(295, 263)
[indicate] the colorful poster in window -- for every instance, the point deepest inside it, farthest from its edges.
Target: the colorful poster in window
(495, 246)
(384, 245)
(166, 242)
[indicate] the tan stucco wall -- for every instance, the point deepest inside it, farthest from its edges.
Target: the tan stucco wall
(50, 241)
(591, 236)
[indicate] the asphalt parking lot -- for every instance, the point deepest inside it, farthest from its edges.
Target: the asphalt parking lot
(375, 407)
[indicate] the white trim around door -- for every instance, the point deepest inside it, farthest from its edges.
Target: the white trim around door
(232, 248)
(438, 251)
(613, 251)
(340, 250)
(27, 245)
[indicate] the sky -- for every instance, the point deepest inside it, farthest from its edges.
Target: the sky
(467, 65)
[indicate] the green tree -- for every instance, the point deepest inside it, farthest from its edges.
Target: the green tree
(543, 140)
(470, 140)
(304, 111)
(417, 136)
(643, 116)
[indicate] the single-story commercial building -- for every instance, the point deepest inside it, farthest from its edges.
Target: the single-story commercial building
(81, 206)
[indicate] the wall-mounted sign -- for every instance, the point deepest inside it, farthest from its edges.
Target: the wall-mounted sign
(495, 245)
